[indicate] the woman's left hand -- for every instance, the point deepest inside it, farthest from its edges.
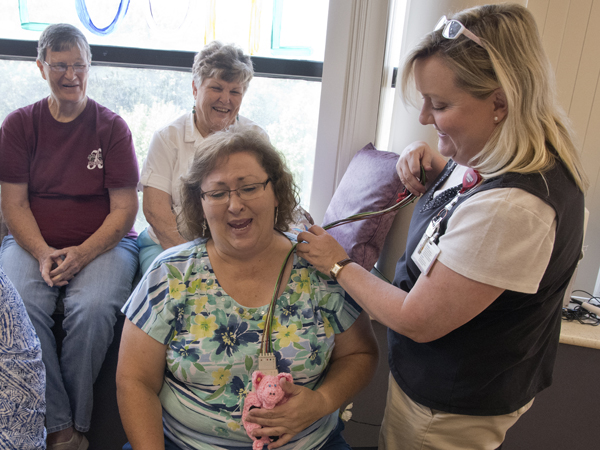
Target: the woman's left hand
(320, 248)
(304, 407)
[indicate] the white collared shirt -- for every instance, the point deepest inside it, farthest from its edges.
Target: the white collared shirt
(170, 154)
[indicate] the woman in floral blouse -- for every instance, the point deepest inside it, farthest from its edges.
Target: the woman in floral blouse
(195, 324)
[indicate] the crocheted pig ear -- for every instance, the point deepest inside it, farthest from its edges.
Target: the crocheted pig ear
(287, 376)
(257, 377)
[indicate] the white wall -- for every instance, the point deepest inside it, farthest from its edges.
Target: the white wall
(571, 37)
(352, 73)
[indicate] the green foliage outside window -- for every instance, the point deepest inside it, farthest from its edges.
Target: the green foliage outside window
(147, 99)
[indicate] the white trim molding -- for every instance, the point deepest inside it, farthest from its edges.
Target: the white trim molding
(352, 74)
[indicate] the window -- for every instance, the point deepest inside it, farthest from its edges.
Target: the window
(283, 98)
(267, 28)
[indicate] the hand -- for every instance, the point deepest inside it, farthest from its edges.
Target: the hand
(48, 262)
(409, 165)
(69, 262)
(304, 407)
(319, 248)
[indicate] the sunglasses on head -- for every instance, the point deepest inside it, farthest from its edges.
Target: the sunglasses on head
(453, 29)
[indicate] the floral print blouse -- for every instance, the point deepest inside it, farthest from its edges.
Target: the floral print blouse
(213, 343)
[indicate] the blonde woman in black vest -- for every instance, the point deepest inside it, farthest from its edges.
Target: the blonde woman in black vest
(475, 307)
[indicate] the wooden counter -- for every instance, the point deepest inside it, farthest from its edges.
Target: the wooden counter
(575, 333)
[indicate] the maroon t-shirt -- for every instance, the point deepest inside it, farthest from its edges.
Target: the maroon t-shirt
(68, 167)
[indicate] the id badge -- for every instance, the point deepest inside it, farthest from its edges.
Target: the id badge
(425, 254)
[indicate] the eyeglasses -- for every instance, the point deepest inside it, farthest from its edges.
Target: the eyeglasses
(453, 29)
(62, 68)
(247, 192)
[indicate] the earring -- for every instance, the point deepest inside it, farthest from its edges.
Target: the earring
(496, 119)
(204, 228)
(194, 109)
(276, 214)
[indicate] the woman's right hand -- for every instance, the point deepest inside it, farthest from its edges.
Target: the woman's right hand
(319, 248)
(409, 164)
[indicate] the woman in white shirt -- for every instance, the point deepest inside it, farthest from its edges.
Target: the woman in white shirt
(221, 75)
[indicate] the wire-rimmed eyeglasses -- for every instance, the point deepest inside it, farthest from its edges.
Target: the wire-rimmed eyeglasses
(453, 29)
(246, 192)
(62, 68)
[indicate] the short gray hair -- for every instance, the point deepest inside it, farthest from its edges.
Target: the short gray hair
(225, 61)
(61, 37)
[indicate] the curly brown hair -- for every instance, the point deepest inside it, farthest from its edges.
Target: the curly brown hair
(222, 144)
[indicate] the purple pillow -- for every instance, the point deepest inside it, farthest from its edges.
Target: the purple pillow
(369, 184)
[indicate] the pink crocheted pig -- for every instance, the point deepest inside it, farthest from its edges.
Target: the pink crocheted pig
(267, 394)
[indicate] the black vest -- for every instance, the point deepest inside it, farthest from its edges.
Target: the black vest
(502, 358)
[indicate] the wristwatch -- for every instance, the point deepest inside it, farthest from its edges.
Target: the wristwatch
(337, 268)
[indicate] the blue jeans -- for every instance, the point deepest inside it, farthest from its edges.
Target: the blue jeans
(91, 302)
(169, 445)
(149, 250)
(335, 442)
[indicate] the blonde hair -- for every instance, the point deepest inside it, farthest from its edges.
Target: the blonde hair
(535, 131)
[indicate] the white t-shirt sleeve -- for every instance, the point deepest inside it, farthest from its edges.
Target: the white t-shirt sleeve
(501, 237)
(158, 168)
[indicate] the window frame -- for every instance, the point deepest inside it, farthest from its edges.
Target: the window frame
(351, 77)
(141, 58)
(350, 92)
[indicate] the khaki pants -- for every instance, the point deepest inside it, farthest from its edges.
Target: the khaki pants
(408, 425)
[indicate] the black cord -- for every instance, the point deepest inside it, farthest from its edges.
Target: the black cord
(365, 423)
(591, 297)
(581, 315)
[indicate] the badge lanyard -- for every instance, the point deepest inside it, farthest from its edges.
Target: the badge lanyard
(427, 251)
